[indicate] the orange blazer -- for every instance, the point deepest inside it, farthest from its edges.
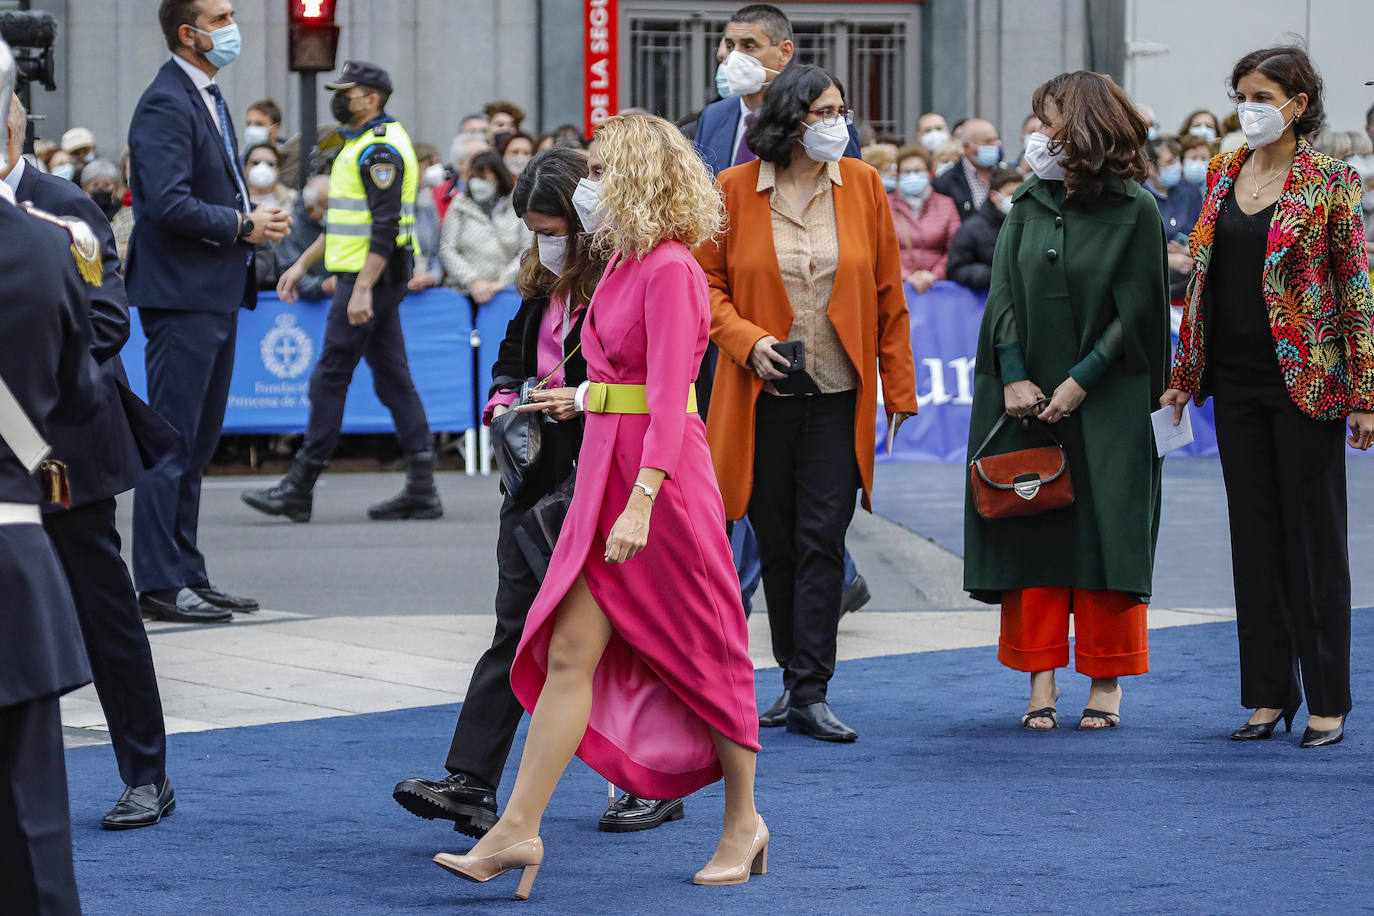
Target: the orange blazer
(748, 302)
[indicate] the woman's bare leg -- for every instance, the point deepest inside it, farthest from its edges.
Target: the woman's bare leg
(737, 834)
(580, 634)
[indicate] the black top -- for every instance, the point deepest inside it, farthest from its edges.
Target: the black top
(1241, 343)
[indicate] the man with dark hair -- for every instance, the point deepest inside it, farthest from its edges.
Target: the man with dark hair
(369, 244)
(189, 271)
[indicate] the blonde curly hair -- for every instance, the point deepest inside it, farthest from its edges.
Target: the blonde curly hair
(655, 187)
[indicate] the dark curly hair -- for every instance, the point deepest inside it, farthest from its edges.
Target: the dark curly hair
(1291, 68)
(778, 127)
(1100, 132)
(546, 186)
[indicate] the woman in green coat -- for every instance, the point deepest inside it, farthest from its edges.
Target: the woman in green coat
(1076, 337)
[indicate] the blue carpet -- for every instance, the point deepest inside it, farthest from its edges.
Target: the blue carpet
(943, 806)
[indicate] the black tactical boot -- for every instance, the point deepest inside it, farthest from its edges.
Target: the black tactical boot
(418, 498)
(293, 497)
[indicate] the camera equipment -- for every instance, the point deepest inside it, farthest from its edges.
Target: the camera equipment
(30, 37)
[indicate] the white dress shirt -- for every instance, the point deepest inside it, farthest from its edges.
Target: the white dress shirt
(15, 176)
(202, 81)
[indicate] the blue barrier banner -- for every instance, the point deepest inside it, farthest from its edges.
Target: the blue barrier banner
(278, 346)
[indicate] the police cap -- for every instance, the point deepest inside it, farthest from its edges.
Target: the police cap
(361, 73)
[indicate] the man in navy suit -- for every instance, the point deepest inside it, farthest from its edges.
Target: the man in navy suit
(104, 459)
(189, 271)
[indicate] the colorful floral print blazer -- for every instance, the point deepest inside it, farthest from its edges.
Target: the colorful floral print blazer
(1316, 286)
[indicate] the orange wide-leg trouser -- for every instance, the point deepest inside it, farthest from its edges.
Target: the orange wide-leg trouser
(1109, 631)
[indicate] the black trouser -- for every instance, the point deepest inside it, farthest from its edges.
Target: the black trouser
(382, 344)
(1285, 491)
(805, 475)
(87, 543)
(36, 871)
(491, 713)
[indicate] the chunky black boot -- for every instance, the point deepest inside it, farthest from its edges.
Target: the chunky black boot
(418, 498)
(293, 496)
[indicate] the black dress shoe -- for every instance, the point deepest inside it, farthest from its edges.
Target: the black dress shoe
(775, 716)
(1261, 731)
(182, 606)
(458, 798)
(210, 593)
(855, 596)
(141, 806)
(1313, 738)
(817, 721)
(630, 813)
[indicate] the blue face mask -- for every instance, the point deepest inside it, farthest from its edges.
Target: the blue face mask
(723, 83)
(914, 184)
(988, 156)
(227, 45)
(889, 183)
(1170, 175)
(1195, 170)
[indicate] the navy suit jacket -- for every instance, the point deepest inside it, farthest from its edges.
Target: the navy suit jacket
(715, 139)
(185, 253)
(102, 456)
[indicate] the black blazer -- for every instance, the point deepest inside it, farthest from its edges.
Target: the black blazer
(102, 454)
(516, 361)
(954, 183)
(971, 249)
(184, 253)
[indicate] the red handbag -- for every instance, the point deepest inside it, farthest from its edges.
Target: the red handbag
(1025, 482)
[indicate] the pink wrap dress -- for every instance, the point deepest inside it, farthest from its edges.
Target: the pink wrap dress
(677, 664)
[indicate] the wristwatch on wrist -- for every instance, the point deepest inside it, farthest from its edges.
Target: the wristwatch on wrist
(246, 226)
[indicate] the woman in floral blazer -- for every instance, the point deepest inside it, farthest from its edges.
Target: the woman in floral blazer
(1279, 328)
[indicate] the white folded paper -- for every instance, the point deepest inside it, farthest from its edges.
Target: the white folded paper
(1169, 437)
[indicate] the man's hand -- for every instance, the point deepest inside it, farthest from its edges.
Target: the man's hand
(288, 281)
(360, 305)
(764, 360)
(921, 281)
(269, 225)
(422, 281)
(482, 291)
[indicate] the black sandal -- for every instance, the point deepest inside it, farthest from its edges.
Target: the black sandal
(1044, 712)
(1112, 719)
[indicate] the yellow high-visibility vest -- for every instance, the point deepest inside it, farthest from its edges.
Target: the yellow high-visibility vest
(348, 224)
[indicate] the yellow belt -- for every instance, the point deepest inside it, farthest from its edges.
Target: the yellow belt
(603, 397)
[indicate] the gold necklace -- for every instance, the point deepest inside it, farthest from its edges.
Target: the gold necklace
(1260, 187)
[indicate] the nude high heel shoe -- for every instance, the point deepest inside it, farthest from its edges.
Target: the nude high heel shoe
(755, 863)
(527, 855)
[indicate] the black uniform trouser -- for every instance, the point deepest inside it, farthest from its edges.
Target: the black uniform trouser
(382, 344)
(491, 713)
(1286, 497)
(36, 871)
(87, 543)
(805, 475)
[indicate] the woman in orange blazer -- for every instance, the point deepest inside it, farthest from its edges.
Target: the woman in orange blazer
(811, 256)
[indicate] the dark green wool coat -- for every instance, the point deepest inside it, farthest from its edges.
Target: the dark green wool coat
(1066, 271)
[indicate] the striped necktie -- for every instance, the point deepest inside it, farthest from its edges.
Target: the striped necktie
(226, 134)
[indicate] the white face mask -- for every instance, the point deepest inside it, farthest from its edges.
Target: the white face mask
(745, 75)
(433, 176)
(553, 252)
(826, 141)
(481, 190)
(934, 139)
(255, 135)
(1205, 131)
(1004, 203)
(1044, 163)
(263, 175)
(1261, 122)
(587, 201)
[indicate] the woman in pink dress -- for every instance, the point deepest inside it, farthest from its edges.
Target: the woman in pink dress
(635, 654)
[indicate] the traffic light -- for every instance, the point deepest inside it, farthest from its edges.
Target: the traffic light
(314, 38)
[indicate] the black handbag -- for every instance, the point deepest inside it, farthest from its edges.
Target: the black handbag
(517, 438)
(537, 533)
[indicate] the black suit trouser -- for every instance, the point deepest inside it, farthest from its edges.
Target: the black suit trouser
(36, 870)
(190, 361)
(87, 543)
(805, 475)
(491, 713)
(1286, 497)
(379, 341)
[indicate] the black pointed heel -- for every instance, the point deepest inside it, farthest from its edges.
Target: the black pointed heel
(1313, 738)
(1259, 731)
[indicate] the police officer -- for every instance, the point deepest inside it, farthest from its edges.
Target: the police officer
(48, 372)
(369, 243)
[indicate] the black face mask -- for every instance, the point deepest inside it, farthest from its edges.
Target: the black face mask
(338, 107)
(107, 202)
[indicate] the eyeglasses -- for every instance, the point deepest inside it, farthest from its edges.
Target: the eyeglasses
(831, 116)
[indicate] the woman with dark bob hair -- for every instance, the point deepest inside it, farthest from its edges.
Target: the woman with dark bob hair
(1075, 341)
(812, 259)
(1279, 327)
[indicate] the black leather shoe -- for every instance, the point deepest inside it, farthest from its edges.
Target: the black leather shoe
(775, 716)
(210, 594)
(417, 499)
(855, 596)
(181, 606)
(141, 806)
(630, 813)
(458, 798)
(1313, 738)
(817, 721)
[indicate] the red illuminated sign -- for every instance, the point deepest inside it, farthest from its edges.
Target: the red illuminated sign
(600, 74)
(315, 12)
